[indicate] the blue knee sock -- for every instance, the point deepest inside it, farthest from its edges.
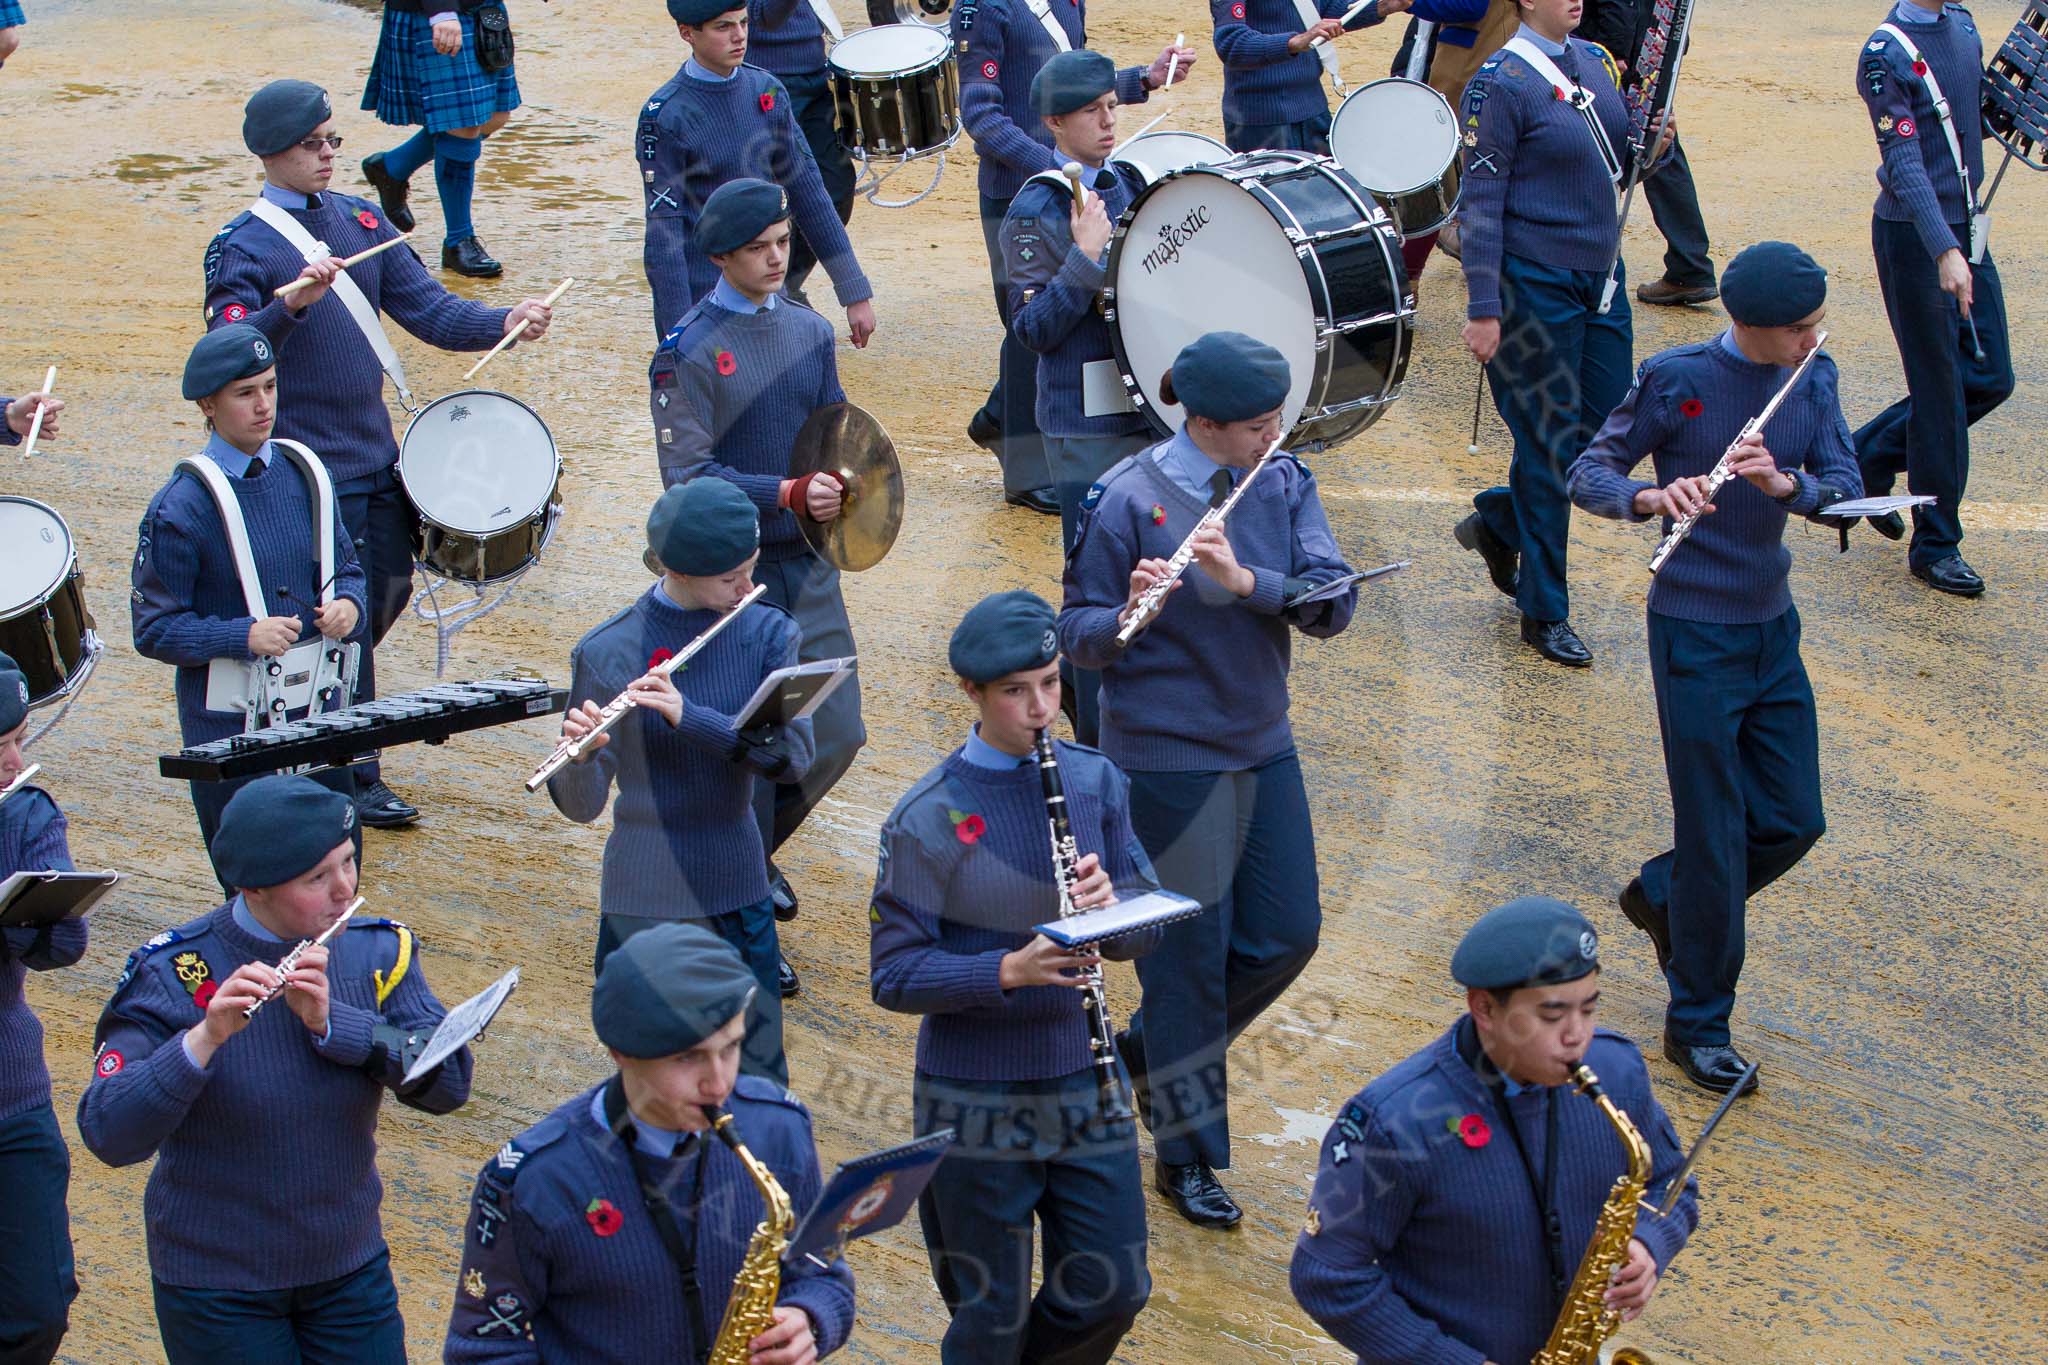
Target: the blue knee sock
(455, 176)
(408, 156)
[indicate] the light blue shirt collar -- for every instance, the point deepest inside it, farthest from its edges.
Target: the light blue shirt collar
(706, 74)
(288, 199)
(660, 1143)
(983, 754)
(1187, 466)
(231, 459)
(733, 301)
(1543, 44)
(246, 921)
(1906, 12)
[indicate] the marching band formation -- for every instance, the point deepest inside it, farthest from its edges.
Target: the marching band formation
(1179, 316)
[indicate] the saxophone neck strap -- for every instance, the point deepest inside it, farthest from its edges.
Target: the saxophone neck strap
(1543, 1183)
(654, 1194)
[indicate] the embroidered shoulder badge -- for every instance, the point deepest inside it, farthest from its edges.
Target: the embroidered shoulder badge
(192, 971)
(473, 1283)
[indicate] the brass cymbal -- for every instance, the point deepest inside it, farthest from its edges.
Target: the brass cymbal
(845, 440)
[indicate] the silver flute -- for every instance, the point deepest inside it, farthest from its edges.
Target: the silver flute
(569, 750)
(1153, 600)
(1682, 528)
(291, 959)
(21, 780)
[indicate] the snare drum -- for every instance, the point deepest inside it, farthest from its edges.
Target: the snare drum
(1156, 155)
(1282, 246)
(1399, 139)
(483, 475)
(44, 624)
(897, 88)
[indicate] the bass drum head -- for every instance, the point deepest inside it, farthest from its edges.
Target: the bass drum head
(889, 50)
(1394, 136)
(1195, 254)
(931, 13)
(39, 554)
(1158, 155)
(478, 462)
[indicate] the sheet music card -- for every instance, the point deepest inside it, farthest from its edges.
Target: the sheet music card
(463, 1025)
(30, 900)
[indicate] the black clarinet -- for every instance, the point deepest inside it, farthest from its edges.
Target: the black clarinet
(1116, 1105)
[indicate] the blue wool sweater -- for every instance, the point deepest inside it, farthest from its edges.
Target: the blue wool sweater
(555, 1289)
(785, 37)
(330, 391)
(1917, 181)
(684, 844)
(965, 872)
(730, 391)
(1264, 83)
(279, 1127)
(1204, 688)
(1535, 183)
(1424, 1250)
(1687, 407)
(187, 606)
(1054, 288)
(31, 840)
(694, 135)
(1001, 46)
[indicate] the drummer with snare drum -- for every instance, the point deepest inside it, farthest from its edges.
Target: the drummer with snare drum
(331, 334)
(1273, 76)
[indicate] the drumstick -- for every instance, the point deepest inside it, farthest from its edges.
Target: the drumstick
(1173, 62)
(506, 340)
(35, 424)
(1349, 15)
(1478, 397)
(296, 285)
(1072, 171)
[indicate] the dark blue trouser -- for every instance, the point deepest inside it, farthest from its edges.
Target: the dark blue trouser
(810, 104)
(37, 1283)
(1033, 1149)
(351, 1319)
(1742, 753)
(209, 799)
(1310, 135)
(1013, 402)
(807, 588)
(1675, 204)
(751, 932)
(1076, 463)
(1560, 370)
(1926, 434)
(1242, 844)
(380, 520)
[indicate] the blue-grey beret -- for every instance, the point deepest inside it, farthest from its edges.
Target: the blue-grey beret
(699, 12)
(703, 527)
(13, 694)
(668, 988)
(1229, 377)
(737, 212)
(1071, 80)
(1773, 284)
(280, 827)
(281, 113)
(1530, 941)
(1003, 633)
(224, 355)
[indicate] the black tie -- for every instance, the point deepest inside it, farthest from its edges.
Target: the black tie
(255, 468)
(1219, 487)
(312, 203)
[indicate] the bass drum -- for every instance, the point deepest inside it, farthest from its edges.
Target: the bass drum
(931, 13)
(1282, 246)
(485, 481)
(1399, 139)
(44, 624)
(1157, 155)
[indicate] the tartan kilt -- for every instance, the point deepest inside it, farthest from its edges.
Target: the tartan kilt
(410, 84)
(11, 15)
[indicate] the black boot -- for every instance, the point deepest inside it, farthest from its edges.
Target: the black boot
(468, 257)
(393, 195)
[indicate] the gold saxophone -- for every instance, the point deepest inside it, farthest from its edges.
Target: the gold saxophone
(751, 1309)
(1585, 1322)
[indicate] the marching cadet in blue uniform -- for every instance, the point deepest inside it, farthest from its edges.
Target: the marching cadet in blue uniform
(332, 394)
(1457, 1192)
(1934, 266)
(1273, 79)
(20, 415)
(610, 1232)
(1003, 44)
(732, 385)
(37, 1280)
(262, 1212)
(720, 119)
(1003, 1053)
(786, 38)
(1741, 745)
(190, 604)
(1195, 712)
(444, 66)
(685, 843)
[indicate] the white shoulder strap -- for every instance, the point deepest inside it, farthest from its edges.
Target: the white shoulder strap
(1057, 179)
(823, 9)
(1310, 17)
(1580, 98)
(365, 317)
(1051, 24)
(1418, 52)
(319, 488)
(216, 480)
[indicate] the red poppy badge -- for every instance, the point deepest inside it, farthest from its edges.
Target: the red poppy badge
(726, 362)
(767, 101)
(367, 218)
(204, 995)
(660, 657)
(1691, 407)
(967, 827)
(603, 1216)
(1471, 1130)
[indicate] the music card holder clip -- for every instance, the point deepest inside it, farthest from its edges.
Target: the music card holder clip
(30, 900)
(1842, 515)
(790, 694)
(463, 1025)
(1147, 910)
(865, 1196)
(1337, 587)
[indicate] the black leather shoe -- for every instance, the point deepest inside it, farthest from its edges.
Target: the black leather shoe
(1141, 1089)
(782, 894)
(786, 983)
(468, 257)
(380, 808)
(1036, 500)
(1950, 575)
(1635, 903)
(1717, 1068)
(393, 194)
(1890, 525)
(1557, 642)
(1475, 535)
(1199, 1196)
(985, 431)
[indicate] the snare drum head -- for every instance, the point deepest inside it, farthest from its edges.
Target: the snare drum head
(38, 556)
(1394, 136)
(478, 462)
(1202, 255)
(1157, 155)
(889, 50)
